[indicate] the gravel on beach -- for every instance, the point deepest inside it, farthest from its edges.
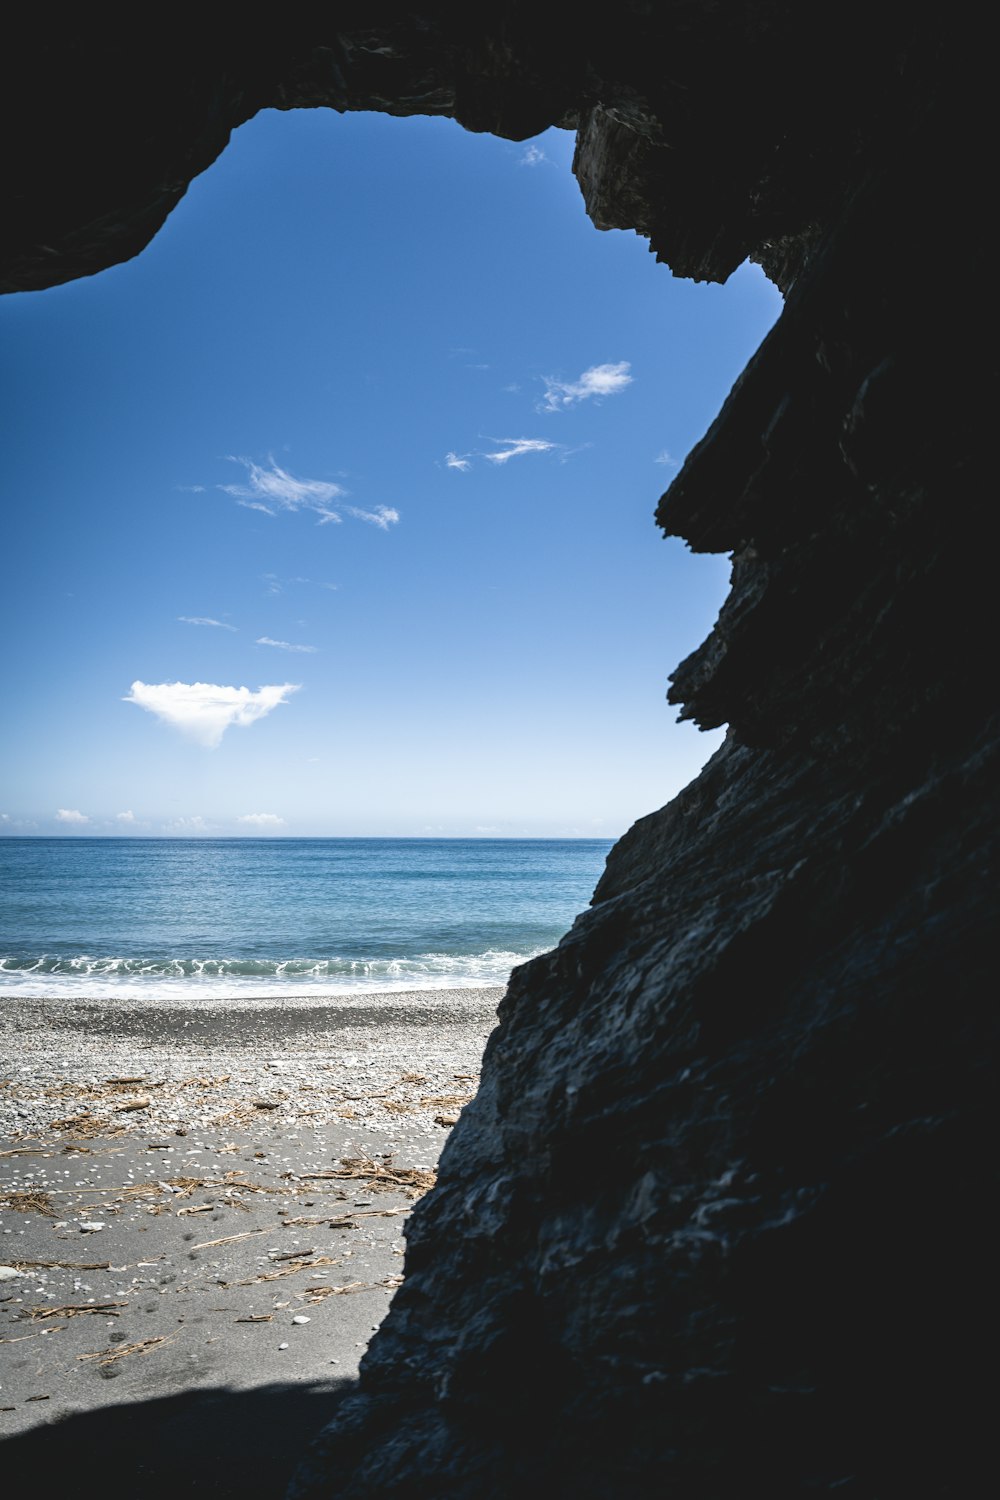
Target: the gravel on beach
(212, 1197)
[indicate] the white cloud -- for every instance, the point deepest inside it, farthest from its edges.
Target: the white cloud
(514, 447)
(382, 516)
(270, 488)
(204, 620)
(125, 817)
(506, 448)
(205, 710)
(4, 817)
(265, 640)
(191, 489)
(267, 488)
(71, 815)
(599, 380)
(663, 457)
(531, 156)
(262, 820)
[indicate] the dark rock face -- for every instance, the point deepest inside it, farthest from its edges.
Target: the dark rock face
(716, 1223)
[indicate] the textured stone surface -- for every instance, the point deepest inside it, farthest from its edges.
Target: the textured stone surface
(717, 1222)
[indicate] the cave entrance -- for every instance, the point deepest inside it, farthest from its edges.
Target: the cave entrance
(347, 483)
(459, 405)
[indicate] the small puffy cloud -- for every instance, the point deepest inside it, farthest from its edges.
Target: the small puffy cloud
(457, 461)
(125, 817)
(514, 447)
(531, 156)
(204, 620)
(383, 516)
(71, 815)
(599, 380)
(262, 820)
(205, 710)
(266, 640)
(272, 488)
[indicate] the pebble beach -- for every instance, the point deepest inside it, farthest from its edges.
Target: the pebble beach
(203, 1200)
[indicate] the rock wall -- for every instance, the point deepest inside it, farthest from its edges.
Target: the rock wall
(717, 1222)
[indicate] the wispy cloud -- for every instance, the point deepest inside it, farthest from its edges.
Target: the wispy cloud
(205, 710)
(515, 447)
(204, 620)
(265, 640)
(262, 820)
(190, 489)
(531, 156)
(125, 817)
(71, 815)
(383, 516)
(667, 459)
(272, 488)
(599, 380)
(276, 584)
(505, 449)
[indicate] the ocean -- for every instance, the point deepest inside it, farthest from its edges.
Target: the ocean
(179, 918)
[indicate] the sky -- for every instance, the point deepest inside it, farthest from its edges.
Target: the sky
(331, 514)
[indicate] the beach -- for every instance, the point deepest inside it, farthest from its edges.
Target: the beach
(199, 1201)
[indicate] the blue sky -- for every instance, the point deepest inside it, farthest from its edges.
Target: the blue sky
(331, 514)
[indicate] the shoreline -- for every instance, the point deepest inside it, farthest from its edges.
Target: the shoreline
(197, 1202)
(332, 1049)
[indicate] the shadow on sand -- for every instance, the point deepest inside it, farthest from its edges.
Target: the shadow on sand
(219, 1443)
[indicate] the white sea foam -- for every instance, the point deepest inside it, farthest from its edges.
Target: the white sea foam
(85, 975)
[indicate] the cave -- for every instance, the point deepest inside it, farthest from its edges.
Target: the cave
(717, 1221)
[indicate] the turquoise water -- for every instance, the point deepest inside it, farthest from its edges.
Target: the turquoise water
(216, 917)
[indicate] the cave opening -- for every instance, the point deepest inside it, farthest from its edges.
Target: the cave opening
(381, 331)
(715, 1218)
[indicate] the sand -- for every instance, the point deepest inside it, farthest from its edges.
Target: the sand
(251, 1165)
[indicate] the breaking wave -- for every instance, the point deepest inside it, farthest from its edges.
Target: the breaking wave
(40, 977)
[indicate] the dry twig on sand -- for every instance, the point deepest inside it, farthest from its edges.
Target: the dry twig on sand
(28, 1201)
(228, 1239)
(291, 1269)
(380, 1176)
(20, 1338)
(122, 1351)
(74, 1310)
(61, 1265)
